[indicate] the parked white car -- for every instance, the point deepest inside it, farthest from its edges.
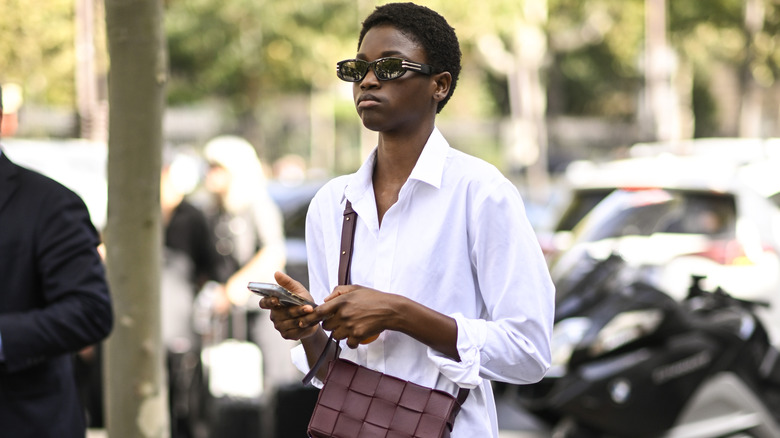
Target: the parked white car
(704, 162)
(684, 216)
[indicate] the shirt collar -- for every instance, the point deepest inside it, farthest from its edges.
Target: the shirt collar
(430, 165)
(360, 182)
(428, 169)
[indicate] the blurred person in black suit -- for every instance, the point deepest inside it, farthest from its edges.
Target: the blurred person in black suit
(54, 302)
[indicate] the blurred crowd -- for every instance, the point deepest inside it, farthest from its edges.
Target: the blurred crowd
(221, 230)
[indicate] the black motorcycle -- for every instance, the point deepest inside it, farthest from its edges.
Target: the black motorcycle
(630, 361)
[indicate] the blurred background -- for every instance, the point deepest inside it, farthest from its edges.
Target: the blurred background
(544, 83)
(582, 103)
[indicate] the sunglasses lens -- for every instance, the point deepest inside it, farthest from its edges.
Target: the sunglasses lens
(389, 68)
(352, 70)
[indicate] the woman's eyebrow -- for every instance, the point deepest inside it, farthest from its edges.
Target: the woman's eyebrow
(385, 54)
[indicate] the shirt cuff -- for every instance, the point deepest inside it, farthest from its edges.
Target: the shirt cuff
(471, 337)
(299, 359)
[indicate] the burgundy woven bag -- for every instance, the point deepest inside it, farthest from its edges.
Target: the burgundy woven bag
(358, 402)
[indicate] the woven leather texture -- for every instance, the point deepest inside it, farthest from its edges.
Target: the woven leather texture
(360, 402)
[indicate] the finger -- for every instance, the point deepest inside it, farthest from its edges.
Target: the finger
(327, 317)
(308, 320)
(340, 290)
(288, 318)
(292, 285)
(289, 283)
(338, 334)
(301, 311)
(284, 322)
(304, 324)
(352, 343)
(329, 325)
(270, 303)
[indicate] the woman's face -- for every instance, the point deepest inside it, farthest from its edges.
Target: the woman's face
(396, 104)
(218, 179)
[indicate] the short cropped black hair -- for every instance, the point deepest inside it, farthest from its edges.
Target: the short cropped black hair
(427, 28)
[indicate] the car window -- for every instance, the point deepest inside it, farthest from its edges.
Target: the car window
(704, 213)
(581, 204)
(775, 199)
(646, 212)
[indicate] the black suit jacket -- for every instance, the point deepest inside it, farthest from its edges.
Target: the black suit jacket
(54, 301)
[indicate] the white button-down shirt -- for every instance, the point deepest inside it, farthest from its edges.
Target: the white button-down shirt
(457, 241)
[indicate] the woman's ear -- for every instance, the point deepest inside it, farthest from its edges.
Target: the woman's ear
(442, 82)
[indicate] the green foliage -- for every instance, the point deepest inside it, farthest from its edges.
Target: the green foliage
(37, 50)
(595, 51)
(241, 49)
(251, 51)
(597, 45)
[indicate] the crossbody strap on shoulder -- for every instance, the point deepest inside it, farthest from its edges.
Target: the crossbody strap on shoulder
(345, 264)
(347, 243)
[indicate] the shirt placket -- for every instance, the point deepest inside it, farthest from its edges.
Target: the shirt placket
(387, 243)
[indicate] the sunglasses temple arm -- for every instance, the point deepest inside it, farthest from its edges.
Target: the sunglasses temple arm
(416, 66)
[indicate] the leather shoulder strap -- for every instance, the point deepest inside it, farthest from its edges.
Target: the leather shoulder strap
(345, 262)
(347, 239)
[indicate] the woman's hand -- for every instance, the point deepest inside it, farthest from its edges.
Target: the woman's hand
(293, 322)
(357, 314)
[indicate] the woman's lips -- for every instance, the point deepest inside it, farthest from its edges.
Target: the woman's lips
(367, 101)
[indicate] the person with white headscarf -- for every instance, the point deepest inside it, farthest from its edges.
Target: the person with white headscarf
(249, 235)
(246, 221)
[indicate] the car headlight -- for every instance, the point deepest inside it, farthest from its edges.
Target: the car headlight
(565, 337)
(625, 328)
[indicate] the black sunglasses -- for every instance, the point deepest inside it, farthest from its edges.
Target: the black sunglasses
(385, 69)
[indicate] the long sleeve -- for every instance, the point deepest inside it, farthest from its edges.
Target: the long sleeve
(60, 301)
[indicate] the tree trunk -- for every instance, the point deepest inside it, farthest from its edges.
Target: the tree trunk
(136, 392)
(660, 120)
(528, 98)
(752, 93)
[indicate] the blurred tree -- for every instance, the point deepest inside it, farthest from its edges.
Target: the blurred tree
(248, 50)
(739, 37)
(594, 53)
(596, 47)
(513, 48)
(91, 70)
(38, 51)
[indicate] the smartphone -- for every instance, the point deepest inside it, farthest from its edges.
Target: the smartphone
(286, 298)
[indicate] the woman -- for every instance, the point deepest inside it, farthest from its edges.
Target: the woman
(446, 268)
